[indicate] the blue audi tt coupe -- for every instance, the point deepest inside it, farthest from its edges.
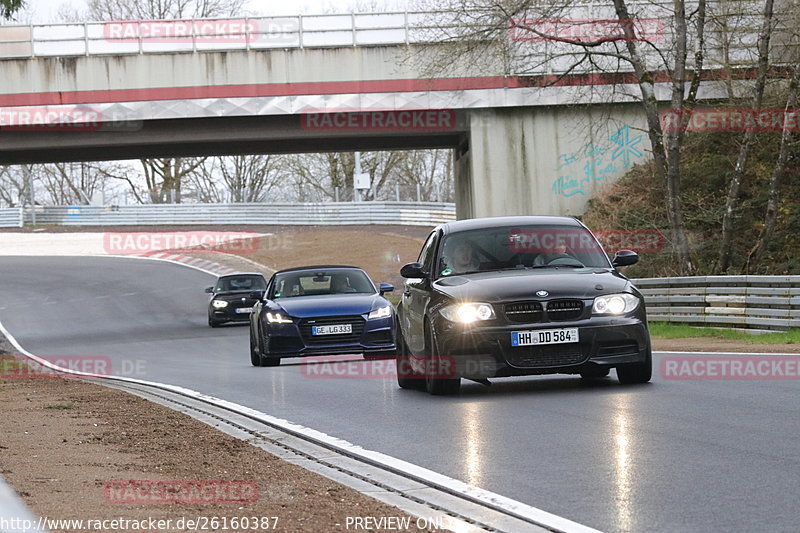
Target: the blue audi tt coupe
(318, 310)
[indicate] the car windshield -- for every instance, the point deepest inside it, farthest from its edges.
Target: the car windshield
(321, 282)
(241, 283)
(519, 247)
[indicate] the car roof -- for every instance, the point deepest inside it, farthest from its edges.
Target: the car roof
(236, 274)
(317, 267)
(498, 222)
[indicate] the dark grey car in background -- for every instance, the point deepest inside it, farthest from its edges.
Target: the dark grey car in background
(230, 298)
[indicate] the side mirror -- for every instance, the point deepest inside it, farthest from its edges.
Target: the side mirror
(257, 295)
(386, 287)
(209, 289)
(625, 258)
(413, 270)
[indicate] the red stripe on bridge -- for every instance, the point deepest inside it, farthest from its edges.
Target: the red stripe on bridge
(342, 87)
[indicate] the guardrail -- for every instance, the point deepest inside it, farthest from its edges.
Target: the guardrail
(11, 217)
(334, 213)
(753, 302)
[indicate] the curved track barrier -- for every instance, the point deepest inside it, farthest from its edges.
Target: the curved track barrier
(753, 302)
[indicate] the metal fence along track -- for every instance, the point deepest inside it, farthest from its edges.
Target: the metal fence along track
(755, 302)
(341, 213)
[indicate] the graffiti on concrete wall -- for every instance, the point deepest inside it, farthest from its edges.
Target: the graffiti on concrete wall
(596, 162)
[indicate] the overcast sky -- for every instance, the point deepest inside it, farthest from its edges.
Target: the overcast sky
(40, 11)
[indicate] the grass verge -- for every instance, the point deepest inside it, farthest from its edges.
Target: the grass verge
(664, 330)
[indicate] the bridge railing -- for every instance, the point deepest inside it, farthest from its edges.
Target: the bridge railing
(334, 213)
(735, 25)
(753, 302)
(10, 217)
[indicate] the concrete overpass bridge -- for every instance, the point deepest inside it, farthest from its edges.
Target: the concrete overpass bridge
(119, 90)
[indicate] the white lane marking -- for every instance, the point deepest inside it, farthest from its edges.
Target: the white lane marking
(726, 353)
(496, 501)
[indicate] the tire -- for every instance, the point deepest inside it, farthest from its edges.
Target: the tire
(267, 360)
(255, 355)
(594, 373)
(437, 386)
(636, 373)
(406, 377)
(214, 323)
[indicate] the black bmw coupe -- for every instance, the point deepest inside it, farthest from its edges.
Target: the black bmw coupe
(512, 296)
(230, 297)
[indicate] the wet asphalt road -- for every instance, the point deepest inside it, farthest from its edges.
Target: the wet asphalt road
(672, 455)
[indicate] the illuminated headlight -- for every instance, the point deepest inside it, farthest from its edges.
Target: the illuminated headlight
(615, 304)
(467, 313)
(277, 318)
(219, 304)
(382, 312)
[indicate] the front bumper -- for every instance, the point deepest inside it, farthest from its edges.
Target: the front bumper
(374, 337)
(228, 314)
(486, 351)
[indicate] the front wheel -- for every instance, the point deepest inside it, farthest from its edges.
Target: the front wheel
(255, 355)
(407, 378)
(435, 368)
(213, 323)
(636, 373)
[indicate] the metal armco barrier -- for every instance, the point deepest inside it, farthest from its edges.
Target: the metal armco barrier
(342, 213)
(11, 217)
(755, 302)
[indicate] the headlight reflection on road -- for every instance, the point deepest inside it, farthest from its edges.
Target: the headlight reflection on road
(278, 388)
(471, 418)
(623, 466)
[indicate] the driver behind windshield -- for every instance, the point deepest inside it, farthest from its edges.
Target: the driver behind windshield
(462, 259)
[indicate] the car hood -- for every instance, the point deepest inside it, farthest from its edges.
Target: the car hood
(330, 305)
(513, 285)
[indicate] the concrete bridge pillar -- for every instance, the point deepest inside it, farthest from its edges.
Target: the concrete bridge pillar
(545, 160)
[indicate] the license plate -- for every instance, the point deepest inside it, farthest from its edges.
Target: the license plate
(337, 329)
(544, 336)
(243, 310)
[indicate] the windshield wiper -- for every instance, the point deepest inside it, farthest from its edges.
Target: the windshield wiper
(570, 265)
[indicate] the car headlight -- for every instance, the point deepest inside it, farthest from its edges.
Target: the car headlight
(219, 304)
(615, 304)
(381, 312)
(277, 318)
(467, 313)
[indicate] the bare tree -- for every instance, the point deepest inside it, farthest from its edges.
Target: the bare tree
(734, 184)
(241, 178)
(776, 178)
(13, 186)
(164, 177)
(163, 9)
(70, 183)
(511, 31)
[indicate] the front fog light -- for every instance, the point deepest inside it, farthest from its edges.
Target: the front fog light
(615, 304)
(467, 313)
(219, 304)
